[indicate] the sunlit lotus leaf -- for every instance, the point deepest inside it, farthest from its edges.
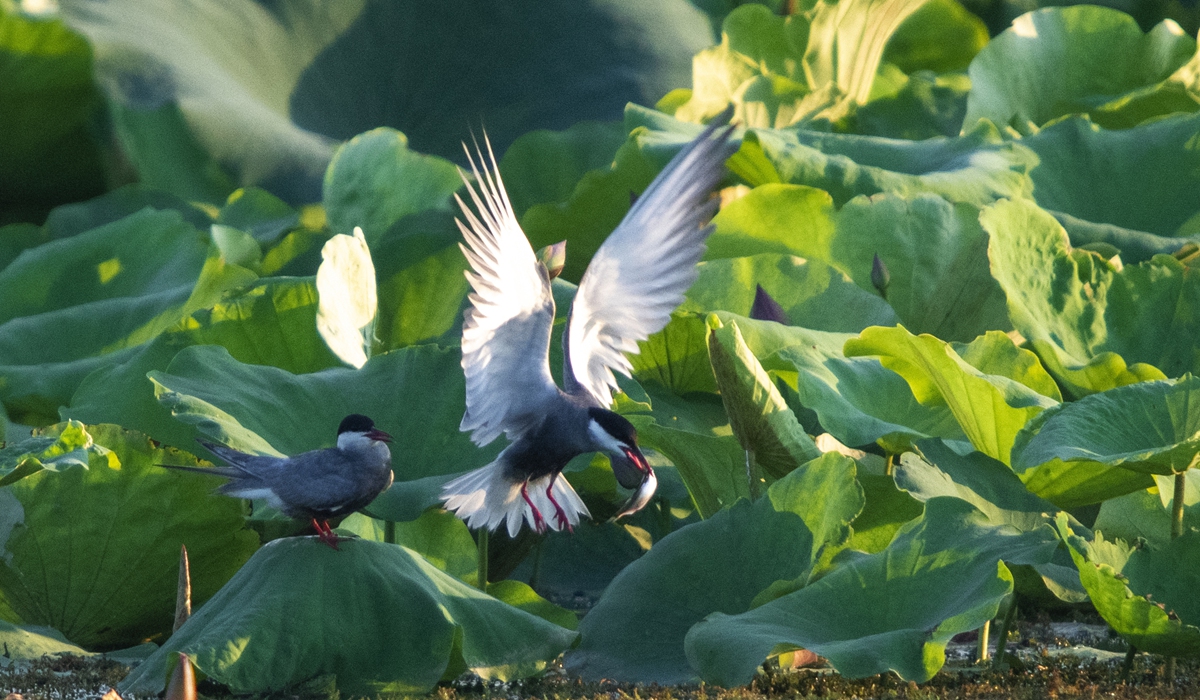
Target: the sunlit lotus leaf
(1145, 595)
(70, 446)
(1147, 427)
(376, 616)
(1082, 60)
(346, 290)
(636, 631)
(758, 415)
(952, 550)
(990, 408)
(1146, 514)
(935, 251)
(265, 91)
(74, 536)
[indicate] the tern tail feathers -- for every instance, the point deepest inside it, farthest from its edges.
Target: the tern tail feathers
(227, 472)
(487, 497)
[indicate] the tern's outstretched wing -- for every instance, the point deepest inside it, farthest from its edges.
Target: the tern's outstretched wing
(639, 276)
(506, 334)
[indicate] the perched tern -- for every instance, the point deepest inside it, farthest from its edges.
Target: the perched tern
(633, 283)
(320, 485)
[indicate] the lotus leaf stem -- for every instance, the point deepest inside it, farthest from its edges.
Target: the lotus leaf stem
(1128, 665)
(482, 563)
(982, 654)
(1006, 624)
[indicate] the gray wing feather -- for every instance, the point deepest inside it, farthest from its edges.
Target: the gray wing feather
(640, 274)
(506, 331)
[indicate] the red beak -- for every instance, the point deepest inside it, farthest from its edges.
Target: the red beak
(638, 460)
(377, 434)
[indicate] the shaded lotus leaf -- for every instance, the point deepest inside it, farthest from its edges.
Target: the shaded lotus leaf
(375, 179)
(543, 167)
(1143, 178)
(935, 251)
(347, 299)
(636, 631)
(807, 291)
(113, 295)
(997, 492)
(676, 357)
(1145, 595)
(25, 642)
(68, 220)
(265, 90)
(885, 512)
(47, 104)
(1082, 60)
(259, 213)
(1149, 427)
(1146, 514)
(990, 408)
(257, 408)
(856, 399)
(271, 323)
(1133, 246)
(925, 106)
(761, 420)
(94, 551)
(1075, 484)
(377, 616)
(952, 549)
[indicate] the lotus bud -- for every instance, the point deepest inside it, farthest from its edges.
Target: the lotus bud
(183, 591)
(880, 277)
(554, 257)
(765, 308)
(183, 681)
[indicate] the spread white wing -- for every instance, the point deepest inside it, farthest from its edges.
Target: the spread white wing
(640, 274)
(506, 333)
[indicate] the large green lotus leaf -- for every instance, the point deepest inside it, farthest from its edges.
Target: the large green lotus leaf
(713, 466)
(439, 536)
(1133, 246)
(271, 323)
(1143, 178)
(255, 407)
(419, 275)
(1075, 484)
(24, 642)
(885, 512)
(47, 101)
(1085, 317)
(377, 616)
(942, 36)
(143, 254)
(999, 494)
(812, 294)
(94, 552)
(924, 105)
(375, 179)
(1082, 60)
(636, 631)
(759, 417)
(990, 408)
(68, 220)
(880, 612)
(1149, 625)
(266, 88)
(1146, 513)
(976, 168)
(676, 357)
(595, 206)
(1148, 427)
(856, 399)
(543, 167)
(16, 238)
(935, 251)
(259, 213)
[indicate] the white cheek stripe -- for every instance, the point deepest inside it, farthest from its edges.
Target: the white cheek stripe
(604, 440)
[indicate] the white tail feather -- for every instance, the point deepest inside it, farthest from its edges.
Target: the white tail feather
(485, 497)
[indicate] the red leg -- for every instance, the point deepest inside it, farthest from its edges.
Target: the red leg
(539, 523)
(325, 534)
(559, 513)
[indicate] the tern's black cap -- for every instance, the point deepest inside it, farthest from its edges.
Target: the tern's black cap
(355, 423)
